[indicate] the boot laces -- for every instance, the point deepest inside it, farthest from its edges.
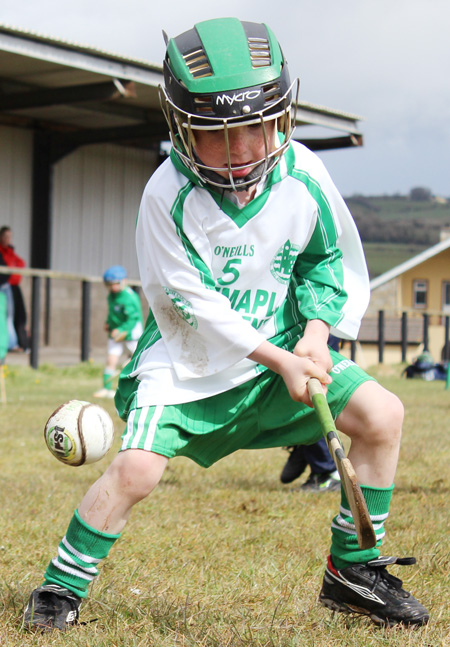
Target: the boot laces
(390, 581)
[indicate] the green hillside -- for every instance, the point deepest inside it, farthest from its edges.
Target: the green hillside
(381, 257)
(394, 229)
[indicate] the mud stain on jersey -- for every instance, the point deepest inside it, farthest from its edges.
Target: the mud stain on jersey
(175, 329)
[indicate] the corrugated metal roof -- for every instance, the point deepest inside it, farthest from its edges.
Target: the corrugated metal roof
(81, 47)
(35, 63)
(330, 111)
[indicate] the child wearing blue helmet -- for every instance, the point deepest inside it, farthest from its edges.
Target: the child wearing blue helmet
(123, 324)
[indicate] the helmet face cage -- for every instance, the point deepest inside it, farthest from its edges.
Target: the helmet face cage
(183, 125)
(228, 100)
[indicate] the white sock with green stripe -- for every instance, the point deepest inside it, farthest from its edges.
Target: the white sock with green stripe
(79, 553)
(344, 546)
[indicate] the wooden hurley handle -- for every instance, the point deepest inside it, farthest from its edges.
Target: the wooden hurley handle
(358, 507)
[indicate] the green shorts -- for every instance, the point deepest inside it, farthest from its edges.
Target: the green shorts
(256, 415)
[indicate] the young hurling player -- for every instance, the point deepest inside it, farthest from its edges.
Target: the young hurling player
(123, 324)
(248, 258)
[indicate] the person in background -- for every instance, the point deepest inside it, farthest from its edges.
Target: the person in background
(4, 338)
(12, 260)
(124, 324)
(324, 476)
(19, 338)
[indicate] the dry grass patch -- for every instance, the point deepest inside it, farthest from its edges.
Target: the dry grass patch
(225, 557)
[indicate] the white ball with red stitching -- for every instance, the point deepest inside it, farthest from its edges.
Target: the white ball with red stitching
(78, 433)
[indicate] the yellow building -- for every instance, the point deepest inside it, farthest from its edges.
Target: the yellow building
(417, 287)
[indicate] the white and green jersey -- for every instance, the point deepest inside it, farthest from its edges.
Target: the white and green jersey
(125, 313)
(221, 279)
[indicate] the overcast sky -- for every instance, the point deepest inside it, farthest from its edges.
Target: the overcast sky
(384, 60)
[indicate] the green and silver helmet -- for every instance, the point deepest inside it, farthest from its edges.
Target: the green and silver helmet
(220, 74)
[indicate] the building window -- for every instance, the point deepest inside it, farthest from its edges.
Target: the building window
(446, 296)
(420, 294)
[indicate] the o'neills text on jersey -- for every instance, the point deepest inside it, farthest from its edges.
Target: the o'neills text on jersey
(239, 250)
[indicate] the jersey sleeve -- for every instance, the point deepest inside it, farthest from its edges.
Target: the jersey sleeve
(331, 272)
(109, 317)
(132, 313)
(203, 335)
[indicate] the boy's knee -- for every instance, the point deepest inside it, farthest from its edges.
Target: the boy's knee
(373, 414)
(385, 420)
(390, 415)
(136, 473)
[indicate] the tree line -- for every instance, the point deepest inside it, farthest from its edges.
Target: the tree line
(375, 227)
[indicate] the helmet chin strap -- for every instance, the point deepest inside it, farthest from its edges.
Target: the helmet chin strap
(240, 184)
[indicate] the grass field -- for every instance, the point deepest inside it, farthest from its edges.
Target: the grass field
(382, 257)
(408, 209)
(225, 557)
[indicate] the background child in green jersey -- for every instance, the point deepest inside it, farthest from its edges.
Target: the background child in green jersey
(123, 324)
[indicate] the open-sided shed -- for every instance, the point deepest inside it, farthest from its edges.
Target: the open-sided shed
(80, 132)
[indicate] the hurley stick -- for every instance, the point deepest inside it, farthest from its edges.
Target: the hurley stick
(361, 518)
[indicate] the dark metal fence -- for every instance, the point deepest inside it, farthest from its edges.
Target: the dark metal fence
(401, 330)
(39, 316)
(405, 329)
